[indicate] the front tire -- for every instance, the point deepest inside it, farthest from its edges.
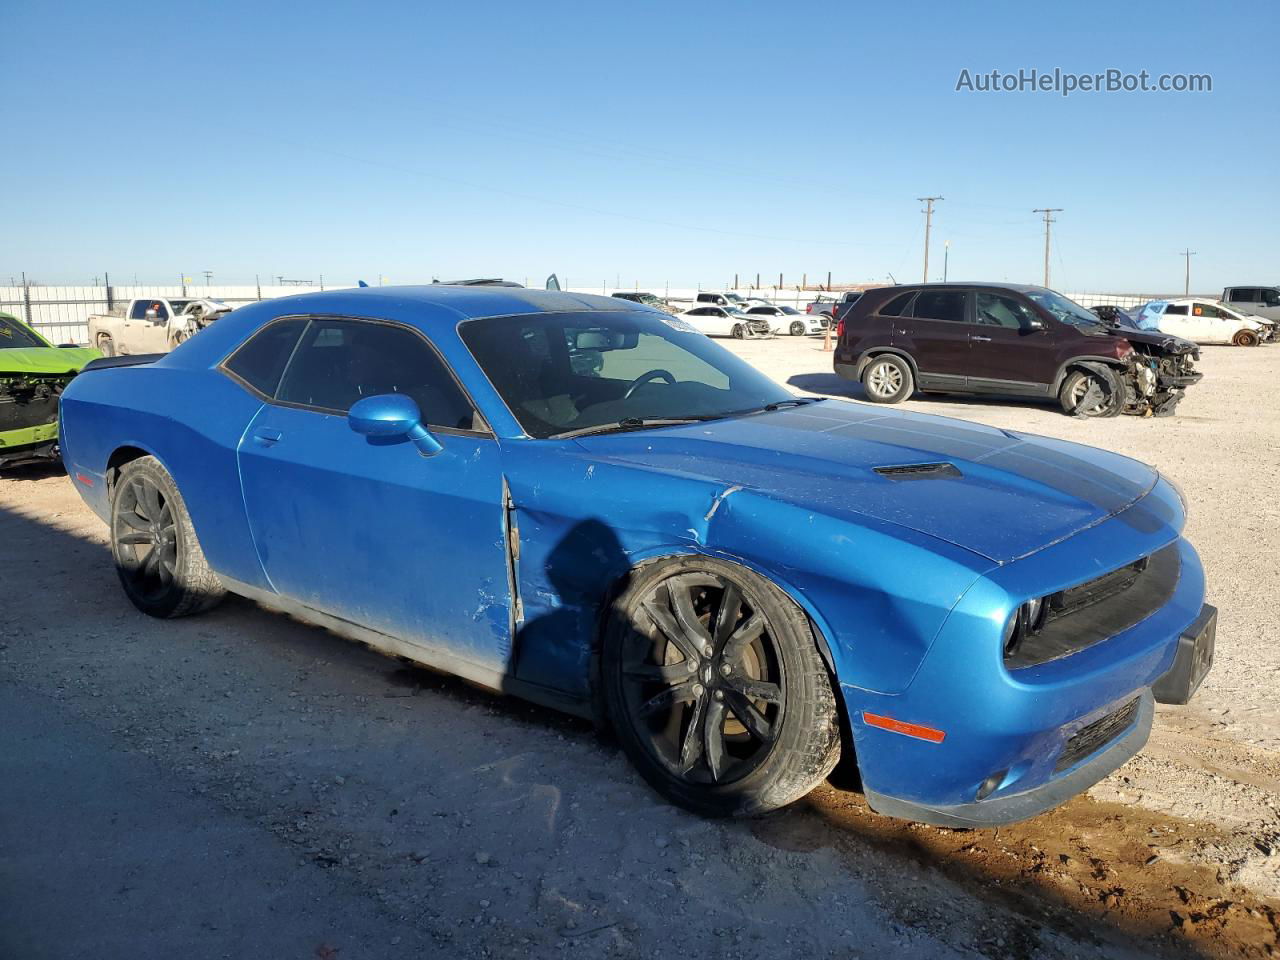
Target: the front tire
(714, 684)
(1246, 338)
(1087, 393)
(887, 379)
(739, 332)
(797, 328)
(158, 558)
(106, 346)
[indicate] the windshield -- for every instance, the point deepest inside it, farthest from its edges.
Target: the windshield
(15, 334)
(563, 372)
(1068, 311)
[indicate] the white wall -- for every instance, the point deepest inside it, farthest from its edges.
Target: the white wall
(60, 313)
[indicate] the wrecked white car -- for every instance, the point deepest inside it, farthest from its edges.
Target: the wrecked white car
(152, 324)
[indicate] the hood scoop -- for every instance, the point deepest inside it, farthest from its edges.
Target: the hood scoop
(919, 471)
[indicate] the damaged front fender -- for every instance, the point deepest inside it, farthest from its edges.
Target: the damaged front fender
(836, 571)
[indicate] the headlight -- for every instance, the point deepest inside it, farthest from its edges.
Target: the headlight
(1026, 621)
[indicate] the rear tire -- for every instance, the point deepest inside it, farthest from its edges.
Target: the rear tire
(721, 639)
(158, 558)
(1246, 338)
(106, 346)
(1074, 393)
(888, 379)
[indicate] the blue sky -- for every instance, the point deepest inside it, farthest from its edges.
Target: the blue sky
(648, 142)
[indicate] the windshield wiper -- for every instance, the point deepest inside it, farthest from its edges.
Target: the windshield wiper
(629, 423)
(794, 401)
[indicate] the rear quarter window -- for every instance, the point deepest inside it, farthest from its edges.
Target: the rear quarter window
(260, 360)
(899, 306)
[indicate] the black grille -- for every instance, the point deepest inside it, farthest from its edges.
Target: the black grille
(1083, 615)
(1092, 738)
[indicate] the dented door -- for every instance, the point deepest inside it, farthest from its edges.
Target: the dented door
(379, 535)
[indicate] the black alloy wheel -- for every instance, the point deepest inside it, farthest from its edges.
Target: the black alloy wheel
(146, 534)
(716, 689)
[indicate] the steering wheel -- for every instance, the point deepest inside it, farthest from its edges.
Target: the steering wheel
(644, 378)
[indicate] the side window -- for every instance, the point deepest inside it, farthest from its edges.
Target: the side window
(1204, 310)
(999, 311)
(1176, 310)
(260, 360)
(1243, 295)
(338, 362)
(1270, 298)
(899, 306)
(945, 305)
(139, 310)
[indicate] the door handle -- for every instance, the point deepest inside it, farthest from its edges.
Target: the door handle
(981, 339)
(265, 438)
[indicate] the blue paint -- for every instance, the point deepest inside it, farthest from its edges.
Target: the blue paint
(909, 583)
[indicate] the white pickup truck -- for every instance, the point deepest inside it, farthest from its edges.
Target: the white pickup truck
(151, 325)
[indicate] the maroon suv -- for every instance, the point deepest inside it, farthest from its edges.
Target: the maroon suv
(1003, 338)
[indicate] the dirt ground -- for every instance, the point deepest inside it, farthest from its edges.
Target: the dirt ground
(242, 785)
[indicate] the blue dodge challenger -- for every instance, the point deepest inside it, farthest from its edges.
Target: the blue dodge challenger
(587, 503)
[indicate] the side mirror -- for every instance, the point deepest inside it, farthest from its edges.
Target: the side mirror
(1036, 325)
(392, 415)
(151, 315)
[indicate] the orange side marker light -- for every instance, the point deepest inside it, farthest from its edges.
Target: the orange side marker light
(906, 729)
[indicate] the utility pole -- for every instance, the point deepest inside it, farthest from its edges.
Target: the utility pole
(1048, 219)
(208, 276)
(928, 225)
(1186, 287)
(946, 257)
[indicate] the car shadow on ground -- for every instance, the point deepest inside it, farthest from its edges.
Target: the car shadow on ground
(1031, 880)
(830, 385)
(37, 470)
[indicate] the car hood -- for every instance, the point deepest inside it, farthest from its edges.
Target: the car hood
(1165, 341)
(45, 360)
(998, 494)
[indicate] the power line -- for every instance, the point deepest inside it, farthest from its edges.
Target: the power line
(1048, 219)
(1188, 254)
(928, 224)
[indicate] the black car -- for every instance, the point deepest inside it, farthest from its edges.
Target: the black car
(1115, 316)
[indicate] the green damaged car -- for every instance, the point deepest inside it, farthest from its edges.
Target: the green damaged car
(33, 373)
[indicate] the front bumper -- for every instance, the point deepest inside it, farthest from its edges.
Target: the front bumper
(1014, 737)
(1000, 810)
(1190, 666)
(29, 445)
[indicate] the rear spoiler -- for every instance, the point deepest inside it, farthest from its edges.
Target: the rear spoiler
(102, 363)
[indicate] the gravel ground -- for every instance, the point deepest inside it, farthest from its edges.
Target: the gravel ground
(242, 785)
